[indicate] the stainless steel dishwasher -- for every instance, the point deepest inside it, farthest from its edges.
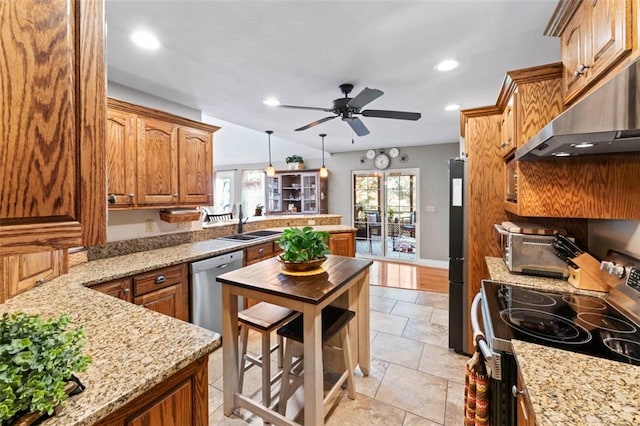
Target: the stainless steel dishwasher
(206, 292)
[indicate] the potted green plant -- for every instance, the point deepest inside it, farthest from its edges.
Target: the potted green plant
(295, 162)
(304, 248)
(37, 360)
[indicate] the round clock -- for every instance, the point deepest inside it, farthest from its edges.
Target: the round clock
(370, 154)
(394, 152)
(382, 161)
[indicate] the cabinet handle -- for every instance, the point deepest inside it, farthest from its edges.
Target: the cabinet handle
(126, 290)
(41, 281)
(503, 144)
(581, 69)
(261, 250)
(515, 392)
(111, 199)
(175, 195)
(160, 279)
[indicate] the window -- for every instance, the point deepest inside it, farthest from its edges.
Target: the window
(223, 192)
(253, 190)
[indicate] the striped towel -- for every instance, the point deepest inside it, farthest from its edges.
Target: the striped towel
(476, 398)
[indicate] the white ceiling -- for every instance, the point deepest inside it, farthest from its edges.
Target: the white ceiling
(225, 57)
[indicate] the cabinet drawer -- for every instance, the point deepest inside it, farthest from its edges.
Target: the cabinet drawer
(258, 252)
(160, 278)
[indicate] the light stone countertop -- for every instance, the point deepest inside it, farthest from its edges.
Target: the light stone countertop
(132, 348)
(567, 388)
(499, 272)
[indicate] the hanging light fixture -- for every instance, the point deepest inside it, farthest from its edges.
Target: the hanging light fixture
(323, 170)
(271, 171)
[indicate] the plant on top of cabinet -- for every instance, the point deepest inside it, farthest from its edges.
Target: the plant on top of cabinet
(295, 162)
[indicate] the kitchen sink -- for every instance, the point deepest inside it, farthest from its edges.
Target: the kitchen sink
(249, 236)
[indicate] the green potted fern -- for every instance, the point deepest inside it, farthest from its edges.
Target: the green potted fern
(304, 248)
(295, 162)
(37, 360)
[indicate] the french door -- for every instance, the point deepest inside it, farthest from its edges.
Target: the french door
(385, 208)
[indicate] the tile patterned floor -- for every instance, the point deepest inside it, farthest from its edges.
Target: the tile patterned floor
(415, 379)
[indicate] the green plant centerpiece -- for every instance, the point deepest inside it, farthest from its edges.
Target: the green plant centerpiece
(37, 360)
(295, 162)
(304, 248)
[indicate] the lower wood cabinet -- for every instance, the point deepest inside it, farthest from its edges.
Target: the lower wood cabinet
(525, 413)
(259, 252)
(181, 400)
(164, 290)
(343, 243)
(19, 273)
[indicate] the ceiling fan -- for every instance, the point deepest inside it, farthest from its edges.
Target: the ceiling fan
(347, 108)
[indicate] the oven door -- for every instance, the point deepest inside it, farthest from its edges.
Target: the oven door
(501, 367)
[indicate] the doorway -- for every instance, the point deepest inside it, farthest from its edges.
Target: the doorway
(385, 208)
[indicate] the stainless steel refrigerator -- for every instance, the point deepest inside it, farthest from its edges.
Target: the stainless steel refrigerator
(458, 276)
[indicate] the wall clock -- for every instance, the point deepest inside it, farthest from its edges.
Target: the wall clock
(394, 152)
(382, 161)
(370, 154)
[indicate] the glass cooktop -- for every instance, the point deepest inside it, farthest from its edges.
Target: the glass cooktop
(572, 322)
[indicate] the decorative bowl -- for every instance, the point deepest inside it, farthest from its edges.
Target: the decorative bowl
(301, 266)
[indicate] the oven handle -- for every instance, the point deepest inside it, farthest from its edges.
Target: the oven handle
(492, 359)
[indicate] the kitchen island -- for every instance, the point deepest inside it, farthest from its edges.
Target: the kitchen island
(344, 283)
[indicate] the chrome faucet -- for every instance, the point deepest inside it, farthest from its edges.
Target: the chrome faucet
(240, 222)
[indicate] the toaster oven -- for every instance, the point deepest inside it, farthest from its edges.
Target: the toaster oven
(531, 254)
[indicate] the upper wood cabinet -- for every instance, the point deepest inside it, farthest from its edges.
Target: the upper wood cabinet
(507, 127)
(595, 35)
(22, 272)
(157, 159)
(52, 189)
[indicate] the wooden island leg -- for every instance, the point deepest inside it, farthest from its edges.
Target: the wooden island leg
(313, 386)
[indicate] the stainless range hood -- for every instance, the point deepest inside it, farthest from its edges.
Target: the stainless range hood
(606, 121)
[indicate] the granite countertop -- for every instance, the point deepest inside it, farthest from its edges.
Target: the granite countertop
(567, 388)
(132, 348)
(499, 272)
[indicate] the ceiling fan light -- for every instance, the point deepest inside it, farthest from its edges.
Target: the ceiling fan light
(145, 40)
(271, 102)
(452, 107)
(447, 65)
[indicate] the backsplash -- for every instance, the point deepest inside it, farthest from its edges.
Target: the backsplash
(614, 234)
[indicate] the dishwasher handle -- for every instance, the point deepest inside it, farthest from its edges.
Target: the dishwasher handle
(492, 359)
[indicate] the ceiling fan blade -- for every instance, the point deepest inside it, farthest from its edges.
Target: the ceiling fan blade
(401, 115)
(315, 123)
(357, 125)
(367, 95)
(305, 107)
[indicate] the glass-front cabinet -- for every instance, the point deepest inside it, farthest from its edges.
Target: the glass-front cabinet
(299, 192)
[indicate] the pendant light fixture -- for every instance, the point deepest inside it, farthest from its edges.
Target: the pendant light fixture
(271, 171)
(323, 170)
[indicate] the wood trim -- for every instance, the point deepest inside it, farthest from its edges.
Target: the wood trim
(29, 238)
(91, 123)
(525, 76)
(160, 115)
(561, 16)
(466, 114)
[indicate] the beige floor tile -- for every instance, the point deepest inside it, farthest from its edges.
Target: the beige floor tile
(215, 399)
(454, 414)
(440, 317)
(381, 304)
(411, 310)
(443, 362)
(218, 418)
(401, 294)
(364, 411)
(413, 420)
(427, 332)
(372, 335)
(215, 365)
(387, 323)
(435, 300)
(376, 290)
(419, 393)
(368, 385)
(397, 350)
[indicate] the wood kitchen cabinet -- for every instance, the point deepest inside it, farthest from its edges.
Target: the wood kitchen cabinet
(53, 147)
(508, 127)
(157, 159)
(524, 410)
(297, 192)
(343, 243)
(259, 252)
(180, 400)
(594, 36)
(163, 290)
(19, 273)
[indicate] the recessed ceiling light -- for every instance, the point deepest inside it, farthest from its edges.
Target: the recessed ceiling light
(145, 39)
(452, 107)
(271, 102)
(447, 65)
(583, 145)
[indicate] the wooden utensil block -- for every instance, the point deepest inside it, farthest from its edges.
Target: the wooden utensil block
(587, 276)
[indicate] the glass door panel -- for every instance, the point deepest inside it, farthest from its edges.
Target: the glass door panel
(274, 191)
(309, 193)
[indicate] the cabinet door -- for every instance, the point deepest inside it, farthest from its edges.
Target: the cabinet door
(176, 405)
(610, 28)
(121, 158)
(525, 414)
(169, 301)
(20, 273)
(507, 142)
(195, 151)
(274, 194)
(117, 288)
(310, 193)
(342, 244)
(52, 147)
(157, 157)
(574, 53)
